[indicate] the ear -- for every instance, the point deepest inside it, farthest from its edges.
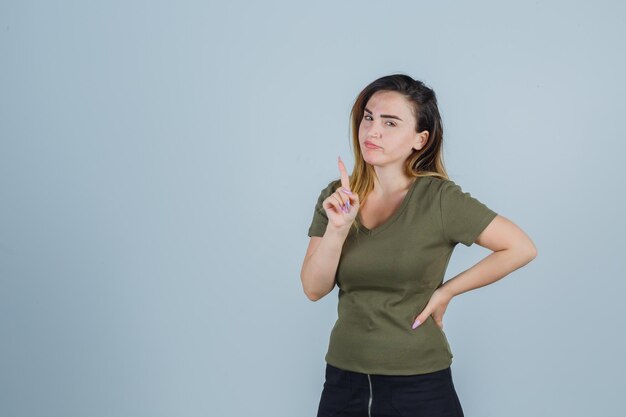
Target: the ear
(421, 139)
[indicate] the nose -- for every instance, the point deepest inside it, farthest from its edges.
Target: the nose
(373, 132)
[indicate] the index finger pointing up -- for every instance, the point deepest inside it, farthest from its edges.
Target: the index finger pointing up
(345, 180)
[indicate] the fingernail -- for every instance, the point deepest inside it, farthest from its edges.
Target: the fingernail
(348, 205)
(345, 190)
(343, 208)
(417, 323)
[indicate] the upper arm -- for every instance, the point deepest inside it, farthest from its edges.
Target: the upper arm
(320, 220)
(463, 216)
(501, 233)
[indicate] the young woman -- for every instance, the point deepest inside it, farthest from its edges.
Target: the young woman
(385, 236)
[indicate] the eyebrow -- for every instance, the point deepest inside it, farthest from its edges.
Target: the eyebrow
(388, 116)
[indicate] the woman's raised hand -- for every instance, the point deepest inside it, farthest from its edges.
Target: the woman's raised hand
(342, 206)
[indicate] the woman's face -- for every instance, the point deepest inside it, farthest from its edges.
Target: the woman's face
(389, 124)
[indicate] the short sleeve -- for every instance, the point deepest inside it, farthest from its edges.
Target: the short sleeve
(463, 217)
(320, 220)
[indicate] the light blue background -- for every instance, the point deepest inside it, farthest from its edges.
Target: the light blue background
(159, 165)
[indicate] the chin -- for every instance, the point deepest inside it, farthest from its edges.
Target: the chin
(369, 160)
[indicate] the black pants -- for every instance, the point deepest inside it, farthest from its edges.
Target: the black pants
(353, 394)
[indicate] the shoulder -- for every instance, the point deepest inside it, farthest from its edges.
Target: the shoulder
(437, 185)
(444, 185)
(330, 188)
(333, 184)
(440, 190)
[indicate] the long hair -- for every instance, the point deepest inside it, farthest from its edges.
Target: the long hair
(427, 161)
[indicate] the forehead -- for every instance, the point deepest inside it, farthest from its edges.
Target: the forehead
(389, 102)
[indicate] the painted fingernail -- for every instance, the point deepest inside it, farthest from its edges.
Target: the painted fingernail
(345, 190)
(417, 323)
(343, 208)
(348, 205)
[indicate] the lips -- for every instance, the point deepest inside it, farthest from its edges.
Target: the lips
(370, 145)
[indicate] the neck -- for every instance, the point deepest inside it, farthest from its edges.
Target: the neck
(389, 183)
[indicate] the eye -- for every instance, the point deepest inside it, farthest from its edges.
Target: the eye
(368, 117)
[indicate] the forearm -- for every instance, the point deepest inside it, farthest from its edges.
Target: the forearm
(490, 269)
(319, 268)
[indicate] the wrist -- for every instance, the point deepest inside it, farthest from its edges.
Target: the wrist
(334, 231)
(447, 290)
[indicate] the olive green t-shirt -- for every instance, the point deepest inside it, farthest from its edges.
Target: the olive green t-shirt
(386, 276)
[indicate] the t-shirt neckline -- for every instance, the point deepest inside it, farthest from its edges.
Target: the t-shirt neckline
(393, 217)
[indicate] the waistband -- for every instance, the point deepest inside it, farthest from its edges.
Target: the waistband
(360, 379)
